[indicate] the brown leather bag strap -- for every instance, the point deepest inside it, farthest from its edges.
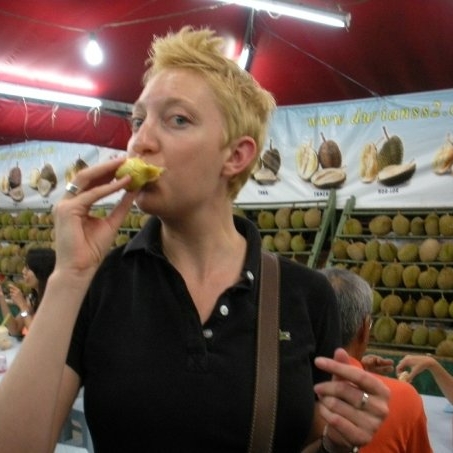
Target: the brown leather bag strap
(267, 356)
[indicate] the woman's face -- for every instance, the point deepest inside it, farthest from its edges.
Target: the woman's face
(29, 277)
(176, 124)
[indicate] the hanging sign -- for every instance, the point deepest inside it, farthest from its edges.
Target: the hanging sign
(388, 152)
(34, 174)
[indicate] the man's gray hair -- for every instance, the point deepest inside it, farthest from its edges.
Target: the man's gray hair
(354, 299)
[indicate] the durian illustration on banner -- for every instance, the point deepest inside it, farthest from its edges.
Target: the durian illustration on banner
(387, 152)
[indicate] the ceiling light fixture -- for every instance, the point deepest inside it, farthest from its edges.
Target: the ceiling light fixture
(333, 19)
(93, 52)
(22, 91)
(245, 59)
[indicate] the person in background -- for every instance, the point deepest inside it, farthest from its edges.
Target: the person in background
(405, 429)
(161, 331)
(39, 264)
(416, 364)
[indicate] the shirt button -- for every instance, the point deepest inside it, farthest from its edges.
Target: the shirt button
(208, 333)
(250, 276)
(224, 310)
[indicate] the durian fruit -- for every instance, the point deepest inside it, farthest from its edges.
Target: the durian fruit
(368, 165)
(140, 172)
(446, 225)
(33, 179)
(450, 310)
(408, 252)
(266, 220)
(409, 307)
(432, 224)
(356, 251)
(48, 173)
(392, 275)
(392, 304)
(440, 308)
(312, 217)
(329, 178)
(297, 219)
(380, 225)
(401, 225)
(15, 177)
(428, 250)
(17, 194)
(445, 349)
(271, 159)
(403, 334)
(372, 249)
(384, 329)
(443, 158)
(420, 335)
(410, 276)
(265, 176)
(445, 278)
(424, 306)
(393, 175)
(418, 226)
(428, 278)
(298, 243)
(306, 161)
(391, 152)
(329, 154)
(435, 336)
(377, 299)
(267, 243)
(388, 251)
(371, 272)
(282, 240)
(338, 249)
(445, 254)
(282, 217)
(352, 226)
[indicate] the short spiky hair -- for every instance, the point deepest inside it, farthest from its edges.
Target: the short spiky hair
(246, 107)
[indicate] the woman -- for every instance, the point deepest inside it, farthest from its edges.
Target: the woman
(164, 341)
(39, 264)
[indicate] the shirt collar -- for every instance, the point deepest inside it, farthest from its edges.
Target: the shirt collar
(148, 240)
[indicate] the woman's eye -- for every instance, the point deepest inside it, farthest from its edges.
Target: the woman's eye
(180, 120)
(135, 123)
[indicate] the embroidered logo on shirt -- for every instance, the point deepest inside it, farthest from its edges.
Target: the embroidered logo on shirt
(284, 335)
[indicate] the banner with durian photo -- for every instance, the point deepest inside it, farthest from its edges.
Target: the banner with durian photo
(394, 151)
(34, 174)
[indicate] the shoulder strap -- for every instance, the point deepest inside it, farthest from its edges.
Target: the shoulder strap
(267, 357)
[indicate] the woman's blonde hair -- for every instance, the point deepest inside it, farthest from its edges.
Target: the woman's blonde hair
(246, 107)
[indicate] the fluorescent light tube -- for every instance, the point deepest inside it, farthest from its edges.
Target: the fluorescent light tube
(298, 11)
(23, 91)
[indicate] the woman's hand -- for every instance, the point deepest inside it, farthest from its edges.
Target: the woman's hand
(18, 298)
(377, 364)
(416, 364)
(354, 403)
(82, 240)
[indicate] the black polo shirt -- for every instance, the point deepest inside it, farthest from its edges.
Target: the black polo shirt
(157, 380)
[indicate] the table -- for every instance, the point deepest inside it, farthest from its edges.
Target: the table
(78, 404)
(10, 353)
(440, 423)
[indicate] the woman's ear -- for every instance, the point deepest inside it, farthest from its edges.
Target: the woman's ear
(239, 155)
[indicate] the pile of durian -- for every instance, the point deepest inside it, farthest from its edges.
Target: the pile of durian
(391, 261)
(287, 223)
(404, 253)
(387, 330)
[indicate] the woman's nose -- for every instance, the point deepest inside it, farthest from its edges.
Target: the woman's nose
(143, 141)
